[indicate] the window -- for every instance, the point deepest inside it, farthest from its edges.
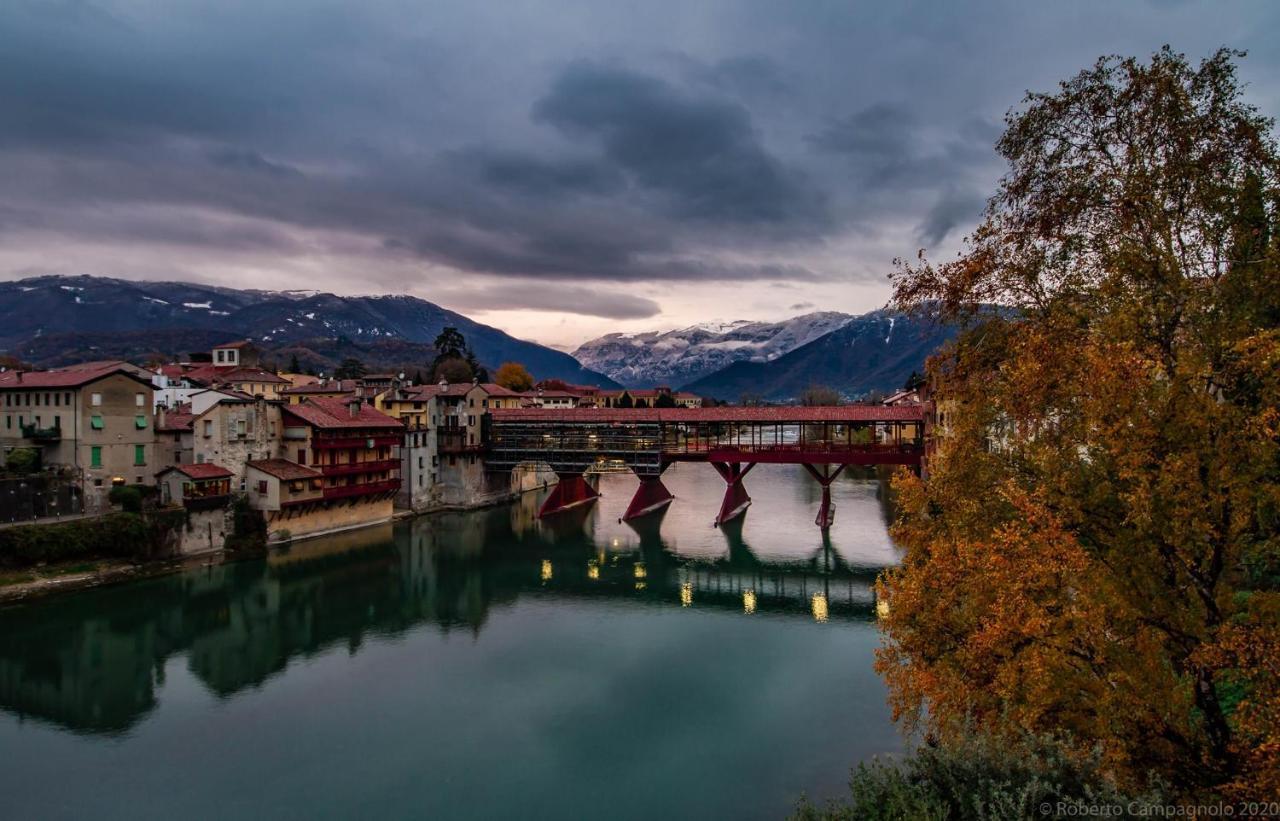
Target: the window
(66, 398)
(139, 454)
(95, 456)
(222, 356)
(140, 421)
(47, 397)
(97, 483)
(139, 400)
(95, 399)
(56, 397)
(302, 456)
(96, 422)
(208, 428)
(262, 486)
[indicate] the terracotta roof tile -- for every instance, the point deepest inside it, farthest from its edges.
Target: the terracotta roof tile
(327, 413)
(284, 469)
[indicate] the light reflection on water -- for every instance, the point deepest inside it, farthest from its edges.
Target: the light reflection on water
(479, 664)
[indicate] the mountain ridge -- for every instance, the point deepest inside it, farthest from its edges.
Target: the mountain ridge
(56, 319)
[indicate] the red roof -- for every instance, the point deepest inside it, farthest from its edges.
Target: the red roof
(328, 413)
(179, 419)
(72, 376)
(780, 415)
(242, 343)
(284, 469)
(206, 470)
(251, 375)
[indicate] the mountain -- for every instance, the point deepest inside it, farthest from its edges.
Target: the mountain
(873, 352)
(54, 320)
(682, 356)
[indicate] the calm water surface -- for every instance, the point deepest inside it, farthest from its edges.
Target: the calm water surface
(477, 665)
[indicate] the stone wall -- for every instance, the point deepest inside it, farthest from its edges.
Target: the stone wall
(299, 523)
(206, 531)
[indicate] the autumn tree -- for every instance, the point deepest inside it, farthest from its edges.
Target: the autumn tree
(514, 377)
(1096, 546)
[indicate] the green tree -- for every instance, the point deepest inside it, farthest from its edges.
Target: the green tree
(1079, 556)
(294, 365)
(664, 400)
(350, 368)
(22, 461)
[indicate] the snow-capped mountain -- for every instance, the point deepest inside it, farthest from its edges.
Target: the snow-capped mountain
(684, 355)
(877, 351)
(56, 320)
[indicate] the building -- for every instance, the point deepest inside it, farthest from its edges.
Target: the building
(95, 419)
(353, 447)
(236, 430)
(323, 389)
(175, 444)
(551, 398)
(197, 487)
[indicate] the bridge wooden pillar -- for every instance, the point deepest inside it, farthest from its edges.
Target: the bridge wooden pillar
(827, 511)
(650, 497)
(572, 490)
(736, 499)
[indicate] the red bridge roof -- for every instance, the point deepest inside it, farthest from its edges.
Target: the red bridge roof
(791, 414)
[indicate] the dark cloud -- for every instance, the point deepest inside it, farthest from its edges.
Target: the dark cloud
(702, 153)
(801, 306)
(954, 208)
(558, 299)
(403, 146)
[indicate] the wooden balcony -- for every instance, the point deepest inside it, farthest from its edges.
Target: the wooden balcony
(365, 489)
(350, 468)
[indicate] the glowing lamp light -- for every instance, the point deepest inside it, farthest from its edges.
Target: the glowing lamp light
(546, 570)
(818, 604)
(593, 570)
(686, 594)
(640, 571)
(748, 601)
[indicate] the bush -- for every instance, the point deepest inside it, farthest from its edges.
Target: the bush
(116, 535)
(248, 526)
(129, 498)
(982, 778)
(22, 461)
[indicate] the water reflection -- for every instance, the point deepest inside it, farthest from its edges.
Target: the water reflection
(93, 662)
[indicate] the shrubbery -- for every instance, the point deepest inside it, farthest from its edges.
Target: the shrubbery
(982, 778)
(116, 535)
(128, 497)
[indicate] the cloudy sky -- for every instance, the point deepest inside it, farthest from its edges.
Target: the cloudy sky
(558, 169)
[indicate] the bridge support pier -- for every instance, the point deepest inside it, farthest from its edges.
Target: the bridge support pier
(736, 499)
(572, 490)
(650, 497)
(827, 511)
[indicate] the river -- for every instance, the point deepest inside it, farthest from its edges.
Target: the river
(470, 665)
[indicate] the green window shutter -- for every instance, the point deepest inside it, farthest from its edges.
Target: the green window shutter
(95, 422)
(139, 454)
(95, 456)
(140, 421)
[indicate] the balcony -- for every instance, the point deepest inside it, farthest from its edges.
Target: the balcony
(365, 442)
(348, 468)
(454, 440)
(212, 501)
(366, 489)
(53, 434)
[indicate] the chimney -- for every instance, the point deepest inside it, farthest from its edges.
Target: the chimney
(353, 405)
(444, 384)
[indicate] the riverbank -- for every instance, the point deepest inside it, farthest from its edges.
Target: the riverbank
(17, 586)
